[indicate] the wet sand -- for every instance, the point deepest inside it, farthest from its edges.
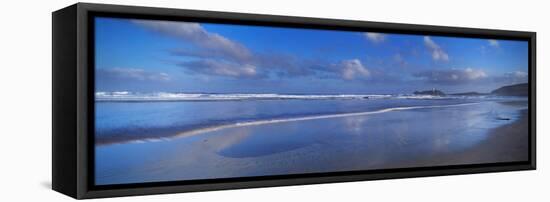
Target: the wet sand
(418, 137)
(507, 143)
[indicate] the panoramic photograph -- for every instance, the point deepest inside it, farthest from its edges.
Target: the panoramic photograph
(177, 101)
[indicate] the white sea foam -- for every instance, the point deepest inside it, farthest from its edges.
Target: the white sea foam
(125, 96)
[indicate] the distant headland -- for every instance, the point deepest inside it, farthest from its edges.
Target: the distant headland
(521, 89)
(513, 90)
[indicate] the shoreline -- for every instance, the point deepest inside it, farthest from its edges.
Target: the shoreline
(202, 130)
(507, 143)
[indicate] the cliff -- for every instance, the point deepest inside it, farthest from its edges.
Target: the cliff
(513, 90)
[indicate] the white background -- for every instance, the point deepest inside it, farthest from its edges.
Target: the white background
(25, 104)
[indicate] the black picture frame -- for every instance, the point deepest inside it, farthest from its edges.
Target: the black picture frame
(73, 100)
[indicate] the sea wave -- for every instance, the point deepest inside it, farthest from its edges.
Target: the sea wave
(125, 96)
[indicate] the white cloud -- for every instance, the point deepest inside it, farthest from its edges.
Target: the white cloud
(473, 74)
(352, 69)
(133, 74)
(195, 34)
(513, 77)
(452, 76)
(210, 53)
(375, 37)
(520, 74)
(493, 43)
(215, 54)
(221, 68)
(438, 54)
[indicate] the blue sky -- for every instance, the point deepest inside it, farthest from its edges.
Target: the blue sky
(168, 56)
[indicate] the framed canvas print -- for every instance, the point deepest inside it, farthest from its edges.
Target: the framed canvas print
(154, 100)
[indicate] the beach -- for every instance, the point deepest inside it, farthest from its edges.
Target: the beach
(261, 138)
(507, 143)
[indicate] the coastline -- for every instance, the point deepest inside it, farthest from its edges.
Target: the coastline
(202, 130)
(507, 143)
